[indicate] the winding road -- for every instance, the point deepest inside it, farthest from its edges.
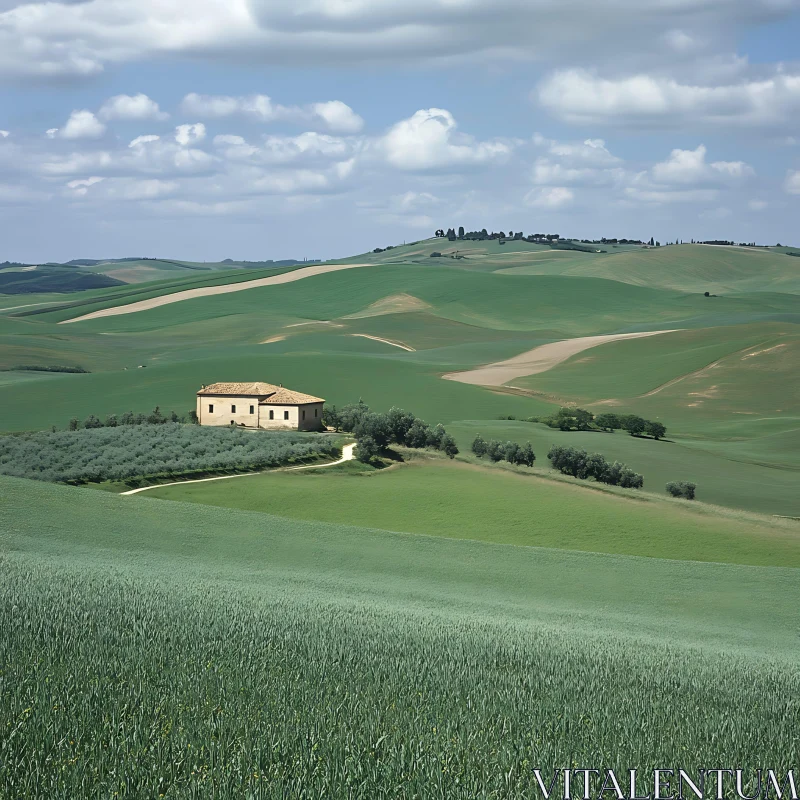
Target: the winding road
(347, 455)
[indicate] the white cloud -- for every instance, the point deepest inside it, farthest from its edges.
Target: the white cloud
(429, 141)
(131, 107)
(190, 134)
(79, 188)
(690, 167)
(589, 151)
(338, 116)
(80, 125)
(4, 134)
(307, 146)
(549, 173)
(757, 205)
(49, 40)
(792, 182)
(582, 97)
(146, 139)
(333, 115)
(553, 197)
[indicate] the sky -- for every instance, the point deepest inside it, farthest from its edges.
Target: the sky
(259, 129)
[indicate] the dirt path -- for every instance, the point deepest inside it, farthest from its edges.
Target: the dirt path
(540, 359)
(347, 455)
(209, 291)
(385, 341)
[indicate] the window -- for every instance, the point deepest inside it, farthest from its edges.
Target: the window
(286, 414)
(233, 409)
(304, 413)
(252, 409)
(315, 411)
(211, 409)
(271, 414)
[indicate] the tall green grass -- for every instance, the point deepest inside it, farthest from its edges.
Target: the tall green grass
(132, 688)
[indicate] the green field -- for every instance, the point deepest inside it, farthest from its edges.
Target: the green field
(462, 501)
(174, 649)
(439, 628)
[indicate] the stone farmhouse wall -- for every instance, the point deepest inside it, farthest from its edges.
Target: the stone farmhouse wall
(242, 410)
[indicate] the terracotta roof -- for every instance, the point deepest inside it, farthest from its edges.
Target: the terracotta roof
(260, 389)
(286, 397)
(268, 393)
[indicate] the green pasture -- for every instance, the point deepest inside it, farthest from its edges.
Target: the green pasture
(153, 648)
(339, 378)
(461, 501)
(752, 475)
(685, 268)
(566, 306)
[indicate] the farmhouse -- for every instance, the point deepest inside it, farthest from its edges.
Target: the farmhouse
(258, 405)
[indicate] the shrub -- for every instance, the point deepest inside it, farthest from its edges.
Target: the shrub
(583, 465)
(137, 451)
(448, 446)
(495, 451)
(633, 425)
(608, 422)
(367, 449)
(479, 446)
(655, 429)
(436, 254)
(418, 434)
(682, 489)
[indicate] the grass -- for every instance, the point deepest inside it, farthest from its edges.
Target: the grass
(168, 650)
(339, 378)
(743, 411)
(726, 474)
(463, 501)
(686, 268)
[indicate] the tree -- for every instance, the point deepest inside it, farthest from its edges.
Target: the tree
(451, 234)
(527, 456)
(682, 489)
(435, 436)
(511, 452)
(630, 479)
(494, 451)
(400, 423)
(193, 417)
(367, 449)
(376, 426)
(608, 422)
(417, 435)
(74, 424)
(127, 418)
(448, 446)
(479, 446)
(655, 429)
(155, 417)
(633, 424)
(111, 421)
(583, 419)
(439, 233)
(350, 415)
(460, 231)
(92, 422)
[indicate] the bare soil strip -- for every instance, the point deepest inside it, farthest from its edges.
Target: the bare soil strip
(209, 291)
(385, 341)
(540, 359)
(347, 455)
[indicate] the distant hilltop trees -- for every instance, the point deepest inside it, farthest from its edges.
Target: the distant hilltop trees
(535, 238)
(483, 234)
